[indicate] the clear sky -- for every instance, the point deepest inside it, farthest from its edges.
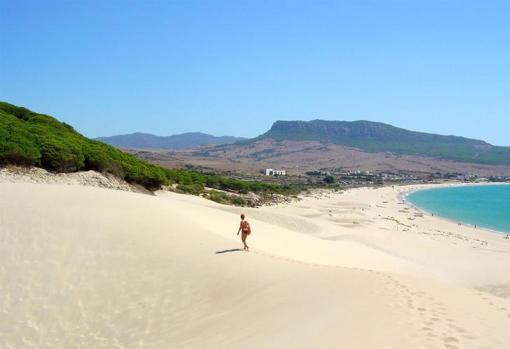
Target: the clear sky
(234, 67)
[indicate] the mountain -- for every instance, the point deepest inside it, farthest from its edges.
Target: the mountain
(300, 157)
(379, 137)
(184, 140)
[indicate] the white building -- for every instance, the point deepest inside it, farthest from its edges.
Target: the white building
(271, 172)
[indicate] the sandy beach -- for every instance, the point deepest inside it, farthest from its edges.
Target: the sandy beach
(88, 267)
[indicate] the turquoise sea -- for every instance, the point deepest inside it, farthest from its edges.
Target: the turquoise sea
(486, 206)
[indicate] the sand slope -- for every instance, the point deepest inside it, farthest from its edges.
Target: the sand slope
(95, 268)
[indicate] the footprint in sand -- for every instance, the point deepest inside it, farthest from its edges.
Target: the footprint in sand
(450, 340)
(449, 346)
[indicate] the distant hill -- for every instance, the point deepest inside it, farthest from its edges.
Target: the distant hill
(378, 137)
(32, 139)
(184, 140)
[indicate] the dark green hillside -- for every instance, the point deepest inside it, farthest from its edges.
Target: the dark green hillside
(32, 139)
(379, 137)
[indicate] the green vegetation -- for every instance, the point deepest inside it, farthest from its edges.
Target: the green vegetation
(224, 198)
(329, 179)
(32, 139)
(379, 137)
(193, 189)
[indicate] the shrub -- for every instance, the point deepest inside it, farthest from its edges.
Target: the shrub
(329, 179)
(194, 189)
(59, 156)
(237, 200)
(18, 153)
(218, 196)
(224, 198)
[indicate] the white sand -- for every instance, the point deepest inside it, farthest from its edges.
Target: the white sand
(87, 267)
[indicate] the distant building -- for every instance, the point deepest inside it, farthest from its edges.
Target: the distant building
(271, 172)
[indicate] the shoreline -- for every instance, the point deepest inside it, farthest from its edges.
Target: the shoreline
(378, 220)
(368, 216)
(404, 197)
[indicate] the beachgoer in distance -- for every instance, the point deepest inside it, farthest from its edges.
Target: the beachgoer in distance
(245, 228)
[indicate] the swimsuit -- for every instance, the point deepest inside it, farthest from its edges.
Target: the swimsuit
(245, 227)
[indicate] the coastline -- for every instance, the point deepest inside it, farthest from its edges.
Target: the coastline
(378, 219)
(404, 197)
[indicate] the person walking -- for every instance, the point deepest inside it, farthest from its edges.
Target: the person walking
(245, 229)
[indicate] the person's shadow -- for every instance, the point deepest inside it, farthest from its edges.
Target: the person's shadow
(227, 251)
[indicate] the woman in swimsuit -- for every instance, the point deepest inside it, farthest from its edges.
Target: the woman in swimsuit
(244, 227)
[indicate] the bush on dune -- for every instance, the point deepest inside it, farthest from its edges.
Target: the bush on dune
(31, 139)
(194, 189)
(61, 155)
(224, 198)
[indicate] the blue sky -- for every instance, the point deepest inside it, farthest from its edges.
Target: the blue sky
(234, 67)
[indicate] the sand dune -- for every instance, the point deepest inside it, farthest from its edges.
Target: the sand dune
(96, 268)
